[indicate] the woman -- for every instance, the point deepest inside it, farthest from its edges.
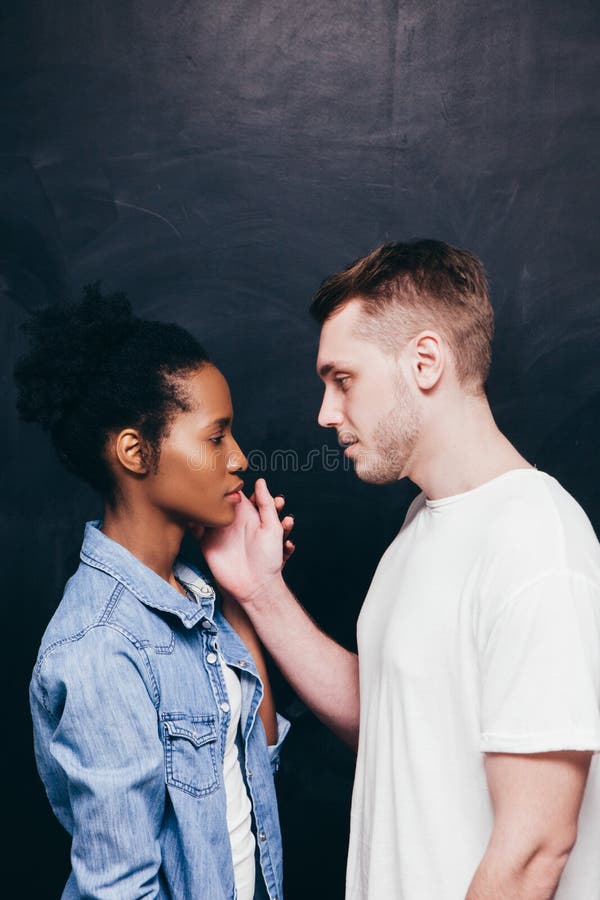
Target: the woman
(154, 727)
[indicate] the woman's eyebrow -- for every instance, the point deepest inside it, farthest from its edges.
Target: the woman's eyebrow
(223, 423)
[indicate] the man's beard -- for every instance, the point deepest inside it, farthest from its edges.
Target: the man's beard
(393, 440)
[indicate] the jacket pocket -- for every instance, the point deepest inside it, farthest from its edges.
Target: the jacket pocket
(191, 746)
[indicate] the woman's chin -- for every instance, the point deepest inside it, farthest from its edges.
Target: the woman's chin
(224, 519)
(220, 518)
(230, 517)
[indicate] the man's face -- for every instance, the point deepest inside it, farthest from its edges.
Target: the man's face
(367, 400)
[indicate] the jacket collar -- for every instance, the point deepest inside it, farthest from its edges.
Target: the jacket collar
(101, 552)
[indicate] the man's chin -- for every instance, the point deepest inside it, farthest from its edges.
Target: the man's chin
(376, 475)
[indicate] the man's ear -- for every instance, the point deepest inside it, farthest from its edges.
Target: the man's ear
(429, 359)
(129, 450)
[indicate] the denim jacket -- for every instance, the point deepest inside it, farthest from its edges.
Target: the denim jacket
(130, 716)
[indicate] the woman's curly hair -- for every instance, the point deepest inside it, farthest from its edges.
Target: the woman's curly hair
(93, 368)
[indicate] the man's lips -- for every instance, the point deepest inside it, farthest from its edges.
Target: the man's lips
(236, 490)
(347, 441)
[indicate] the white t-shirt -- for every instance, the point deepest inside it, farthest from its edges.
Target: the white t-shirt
(480, 632)
(239, 808)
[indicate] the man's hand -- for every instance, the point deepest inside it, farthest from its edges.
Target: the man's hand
(246, 559)
(287, 523)
(249, 554)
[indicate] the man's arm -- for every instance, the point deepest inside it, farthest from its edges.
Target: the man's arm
(536, 799)
(322, 673)
(246, 560)
(242, 625)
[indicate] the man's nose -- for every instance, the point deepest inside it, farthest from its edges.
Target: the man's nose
(330, 416)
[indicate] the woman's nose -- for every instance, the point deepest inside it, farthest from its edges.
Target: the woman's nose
(236, 461)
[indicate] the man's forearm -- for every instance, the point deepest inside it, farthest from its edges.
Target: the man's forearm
(239, 621)
(536, 878)
(322, 673)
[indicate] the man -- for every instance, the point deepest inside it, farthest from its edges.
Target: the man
(479, 640)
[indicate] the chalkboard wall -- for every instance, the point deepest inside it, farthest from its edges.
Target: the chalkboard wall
(216, 159)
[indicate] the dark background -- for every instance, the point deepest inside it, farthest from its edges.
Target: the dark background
(216, 160)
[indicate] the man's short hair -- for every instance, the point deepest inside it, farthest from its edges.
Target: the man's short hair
(407, 287)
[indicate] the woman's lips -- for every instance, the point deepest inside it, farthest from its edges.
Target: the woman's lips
(236, 494)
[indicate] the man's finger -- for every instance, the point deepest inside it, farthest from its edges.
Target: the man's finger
(288, 549)
(265, 504)
(247, 507)
(288, 524)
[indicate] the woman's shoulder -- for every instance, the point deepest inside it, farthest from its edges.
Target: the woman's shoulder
(97, 611)
(84, 646)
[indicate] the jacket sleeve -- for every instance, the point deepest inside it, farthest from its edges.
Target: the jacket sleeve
(96, 731)
(274, 750)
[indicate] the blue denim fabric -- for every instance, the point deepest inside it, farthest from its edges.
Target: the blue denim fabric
(130, 716)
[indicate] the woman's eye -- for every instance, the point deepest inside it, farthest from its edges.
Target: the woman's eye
(218, 439)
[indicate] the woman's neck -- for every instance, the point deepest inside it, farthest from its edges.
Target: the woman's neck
(148, 535)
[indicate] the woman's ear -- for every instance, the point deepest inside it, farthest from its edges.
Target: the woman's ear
(429, 359)
(129, 451)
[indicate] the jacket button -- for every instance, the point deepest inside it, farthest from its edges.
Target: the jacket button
(225, 707)
(242, 663)
(205, 623)
(211, 657)
(262, 836)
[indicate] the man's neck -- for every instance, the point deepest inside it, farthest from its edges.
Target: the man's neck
(462, 448)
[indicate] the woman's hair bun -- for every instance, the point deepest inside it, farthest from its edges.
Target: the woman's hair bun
(69, 345)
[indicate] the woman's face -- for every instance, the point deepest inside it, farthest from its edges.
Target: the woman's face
(198, 472)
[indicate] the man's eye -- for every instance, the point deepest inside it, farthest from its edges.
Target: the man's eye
(343, 381)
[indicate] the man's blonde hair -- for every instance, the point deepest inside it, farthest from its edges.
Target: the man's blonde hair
(407, 287)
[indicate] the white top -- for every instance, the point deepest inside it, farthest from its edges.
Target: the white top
(239, 809)
(480, 632)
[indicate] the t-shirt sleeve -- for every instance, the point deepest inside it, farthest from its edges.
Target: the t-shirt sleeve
(540, 668)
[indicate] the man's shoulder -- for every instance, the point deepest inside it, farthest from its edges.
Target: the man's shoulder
(537, 511)
(534, 530)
